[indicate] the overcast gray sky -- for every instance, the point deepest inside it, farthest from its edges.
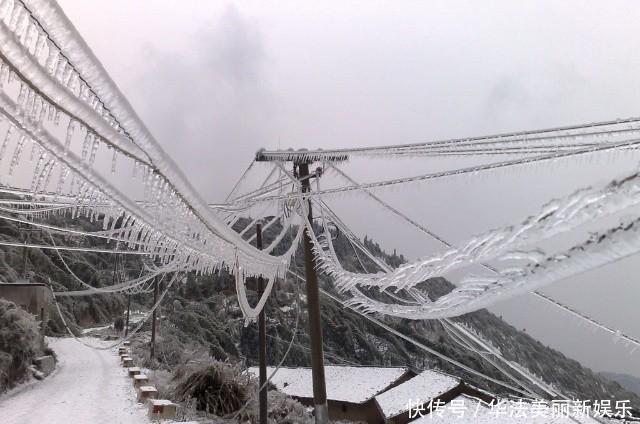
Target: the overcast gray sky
(215, 81)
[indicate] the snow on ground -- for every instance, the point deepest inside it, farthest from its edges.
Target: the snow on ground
(90, 386)
(91, 329)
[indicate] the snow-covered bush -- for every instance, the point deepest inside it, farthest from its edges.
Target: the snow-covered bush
(224, 389)
(285, 410)
(19, 344)
(219, 388)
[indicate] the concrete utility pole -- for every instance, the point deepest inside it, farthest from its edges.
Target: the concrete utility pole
(313, 301)
(262, 337)
(152, 348)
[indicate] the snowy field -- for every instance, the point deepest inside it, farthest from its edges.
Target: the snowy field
(89, 386)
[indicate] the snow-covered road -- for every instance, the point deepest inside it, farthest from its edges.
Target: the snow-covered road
(89, 387)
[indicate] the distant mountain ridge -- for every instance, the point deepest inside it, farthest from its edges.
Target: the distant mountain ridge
(629, 382)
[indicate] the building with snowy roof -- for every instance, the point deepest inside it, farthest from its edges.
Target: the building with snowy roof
(351, 391)
(468, 409)
(428, 386)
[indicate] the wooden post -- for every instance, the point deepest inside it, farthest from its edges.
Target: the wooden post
(126, 325)
(315, 324)
(153, 320)
(262, 338)
(24, 252)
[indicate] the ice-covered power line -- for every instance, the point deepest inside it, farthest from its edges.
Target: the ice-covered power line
(532, 138)
(74, 248)
(479, 292)
(577, 209)
(618, 334)
(450, 326)
(619, 194)
(238, 183)
(59, 82)
(49, 72)
(555, 217)
(421, 345)
(613, 148)
(139, 325)
(457, 332)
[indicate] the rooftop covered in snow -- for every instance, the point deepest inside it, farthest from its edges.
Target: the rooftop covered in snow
(466, 409)
(427, 385)
(346, 384)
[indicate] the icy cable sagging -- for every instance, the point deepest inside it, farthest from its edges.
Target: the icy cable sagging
(554, 218)
(479, 292)
(51, 81)
(251, 313)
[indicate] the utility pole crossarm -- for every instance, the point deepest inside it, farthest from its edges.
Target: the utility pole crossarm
(300, 156)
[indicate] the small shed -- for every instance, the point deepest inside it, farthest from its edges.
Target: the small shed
(32, 297)
(351, 390)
